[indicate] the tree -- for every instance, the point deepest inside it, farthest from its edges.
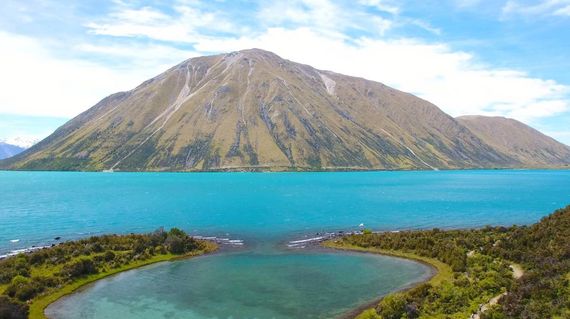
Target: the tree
(392, 306)
(79, 268)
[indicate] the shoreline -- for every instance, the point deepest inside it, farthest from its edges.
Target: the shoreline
(38, 306)
(439, 272)
(301, 170)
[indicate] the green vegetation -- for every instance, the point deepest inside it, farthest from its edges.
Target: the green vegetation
(480, 261)
(30, 282)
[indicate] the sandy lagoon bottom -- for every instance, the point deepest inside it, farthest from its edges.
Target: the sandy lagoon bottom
(246, 284)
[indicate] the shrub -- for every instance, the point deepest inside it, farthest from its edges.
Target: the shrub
(175, 244)
(109, 255)
(24, 289)
(80, 268)
(10, 309)
(392, 306)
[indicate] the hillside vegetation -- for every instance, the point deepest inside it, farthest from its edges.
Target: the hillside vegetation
(523, 142)
(253, 110)
(482, 261)
(30, 282)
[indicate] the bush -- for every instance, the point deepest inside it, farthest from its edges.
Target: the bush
(543, 249)
(177, 232)
(70, 260)
(80, 268)
(24, 289)
(176, 245)
(177, 242)
(392, 306)
(109, 255)
(10, 309)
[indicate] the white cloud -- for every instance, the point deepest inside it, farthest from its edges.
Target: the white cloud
(563, 11)
(544, 7)
(24, 141)
(136, 54)
(382, 5)
(423, 25)
(453, 80)
(321, 14)
(37, 83)
(310, 31)
(154, 24)
(190, 23)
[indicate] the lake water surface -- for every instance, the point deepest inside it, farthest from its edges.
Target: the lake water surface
(264, 279)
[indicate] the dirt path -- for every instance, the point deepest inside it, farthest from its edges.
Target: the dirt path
(517, 273)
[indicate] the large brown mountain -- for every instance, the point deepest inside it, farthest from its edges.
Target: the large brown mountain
(518, 140)
(252, 110)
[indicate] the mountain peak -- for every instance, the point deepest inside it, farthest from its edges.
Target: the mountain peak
(8, 150)
(256, 55)
(252, 110)
(253, 52)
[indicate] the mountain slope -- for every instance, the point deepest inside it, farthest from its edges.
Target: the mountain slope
(8, 150)
(252, 110)
(518, 140)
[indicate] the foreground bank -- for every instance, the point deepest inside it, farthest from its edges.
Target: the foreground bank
(486, 278)
(30, 282)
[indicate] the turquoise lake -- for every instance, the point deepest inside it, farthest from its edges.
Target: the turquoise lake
(264, 278)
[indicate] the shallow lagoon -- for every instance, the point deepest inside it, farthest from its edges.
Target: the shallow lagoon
(244, 285)
(264, 279)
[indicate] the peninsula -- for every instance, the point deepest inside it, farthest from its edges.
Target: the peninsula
(493, 272)
(30, 282)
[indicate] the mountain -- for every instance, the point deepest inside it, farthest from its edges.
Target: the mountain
(9, 150)
(518, 140)
(252, 110)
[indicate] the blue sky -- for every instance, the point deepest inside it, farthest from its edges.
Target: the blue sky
(507, 58)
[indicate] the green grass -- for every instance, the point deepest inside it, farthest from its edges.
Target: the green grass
(39, 304)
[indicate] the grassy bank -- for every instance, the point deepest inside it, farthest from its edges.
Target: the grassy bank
(30, 282)
(38, 306)
(447, 294)
(442, 271)
(479, 270)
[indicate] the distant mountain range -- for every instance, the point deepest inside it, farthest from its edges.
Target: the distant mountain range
(252, 110)
(9, 150)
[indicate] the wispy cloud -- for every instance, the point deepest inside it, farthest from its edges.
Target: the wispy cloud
(454, 80)
(191, 22)
(382, 5)
(563, 11)
(184, 24)
(39, 83)
(127, 43)
(544, 7)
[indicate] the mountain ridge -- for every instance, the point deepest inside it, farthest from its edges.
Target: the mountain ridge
(522, 141)
(8, 150)
(252, 110)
